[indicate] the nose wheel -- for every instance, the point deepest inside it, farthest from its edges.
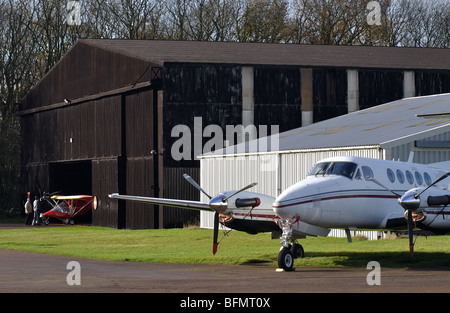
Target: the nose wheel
(286, 256)
(290, 250)
(286, 259)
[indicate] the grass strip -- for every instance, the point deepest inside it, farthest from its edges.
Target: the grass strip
(194, 245)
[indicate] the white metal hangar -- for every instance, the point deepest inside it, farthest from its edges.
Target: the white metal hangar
(389, 131)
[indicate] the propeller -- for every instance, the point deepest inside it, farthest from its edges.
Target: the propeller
(410, 201)
(219, 204)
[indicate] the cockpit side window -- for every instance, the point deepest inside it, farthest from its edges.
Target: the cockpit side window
(367, 172)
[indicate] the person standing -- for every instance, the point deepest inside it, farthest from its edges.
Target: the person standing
(36, 208)
(28, 211)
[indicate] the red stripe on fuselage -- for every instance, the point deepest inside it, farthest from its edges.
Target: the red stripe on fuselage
(334, 198)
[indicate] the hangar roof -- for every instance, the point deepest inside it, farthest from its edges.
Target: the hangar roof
(385, 125)
(163, 51)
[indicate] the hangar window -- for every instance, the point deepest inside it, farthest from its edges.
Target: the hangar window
(409, 177)
(367, 172)
(400, 177)
(390, 175)
(427, 179)
(419, 178)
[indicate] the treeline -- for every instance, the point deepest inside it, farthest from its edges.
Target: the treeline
(35, 34)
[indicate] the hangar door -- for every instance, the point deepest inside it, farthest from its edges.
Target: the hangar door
(72, 178)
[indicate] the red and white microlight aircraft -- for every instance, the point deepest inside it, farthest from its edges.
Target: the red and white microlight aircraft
(340, 192)
(66, 208)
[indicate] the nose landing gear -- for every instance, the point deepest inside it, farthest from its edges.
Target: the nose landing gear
(290, 249)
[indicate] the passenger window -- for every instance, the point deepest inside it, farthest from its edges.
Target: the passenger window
(427, 179)
(358, 175)
(400, 177)
(367, 172)
(419, 178)
(390, 175)
(409, 177)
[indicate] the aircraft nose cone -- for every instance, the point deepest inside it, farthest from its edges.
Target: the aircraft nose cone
(282, 208)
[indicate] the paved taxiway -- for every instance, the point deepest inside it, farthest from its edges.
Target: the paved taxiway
(32, 272)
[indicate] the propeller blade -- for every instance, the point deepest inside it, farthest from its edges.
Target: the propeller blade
(410, 233)
(383, 186)
(216, 232)
(194, 183)
(433, 183)
(242, 189)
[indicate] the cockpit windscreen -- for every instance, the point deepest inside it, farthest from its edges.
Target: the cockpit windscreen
(346, 169)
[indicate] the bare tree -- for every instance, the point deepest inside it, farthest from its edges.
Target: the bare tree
(16, 78)
(265, 21)
(427, 24)
(139, 19)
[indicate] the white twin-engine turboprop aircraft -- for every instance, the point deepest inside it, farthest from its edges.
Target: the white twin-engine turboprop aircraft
(339, 192)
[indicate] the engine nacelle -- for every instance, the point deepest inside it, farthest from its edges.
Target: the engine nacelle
(438, 200)
(250, 202)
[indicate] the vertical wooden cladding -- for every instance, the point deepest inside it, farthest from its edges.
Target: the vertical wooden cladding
(85, 70)
(432, 82)
(139, 124)
(176, 187)
(104, 180)
(140, 167)
(379, 86)
(94, 127)
(277, 97)
(329, 93)
(210, 91)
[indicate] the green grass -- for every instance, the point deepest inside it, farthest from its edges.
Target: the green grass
(194, 246)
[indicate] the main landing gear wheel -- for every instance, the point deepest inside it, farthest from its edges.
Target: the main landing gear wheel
(286, 259)
(68, 221)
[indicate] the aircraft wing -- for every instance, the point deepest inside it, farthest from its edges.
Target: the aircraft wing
(185, 204)
(83, 197)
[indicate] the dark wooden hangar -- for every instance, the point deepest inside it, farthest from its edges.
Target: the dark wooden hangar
(101, 120)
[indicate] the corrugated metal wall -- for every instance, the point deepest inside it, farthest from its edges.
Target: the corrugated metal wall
(424, 155)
